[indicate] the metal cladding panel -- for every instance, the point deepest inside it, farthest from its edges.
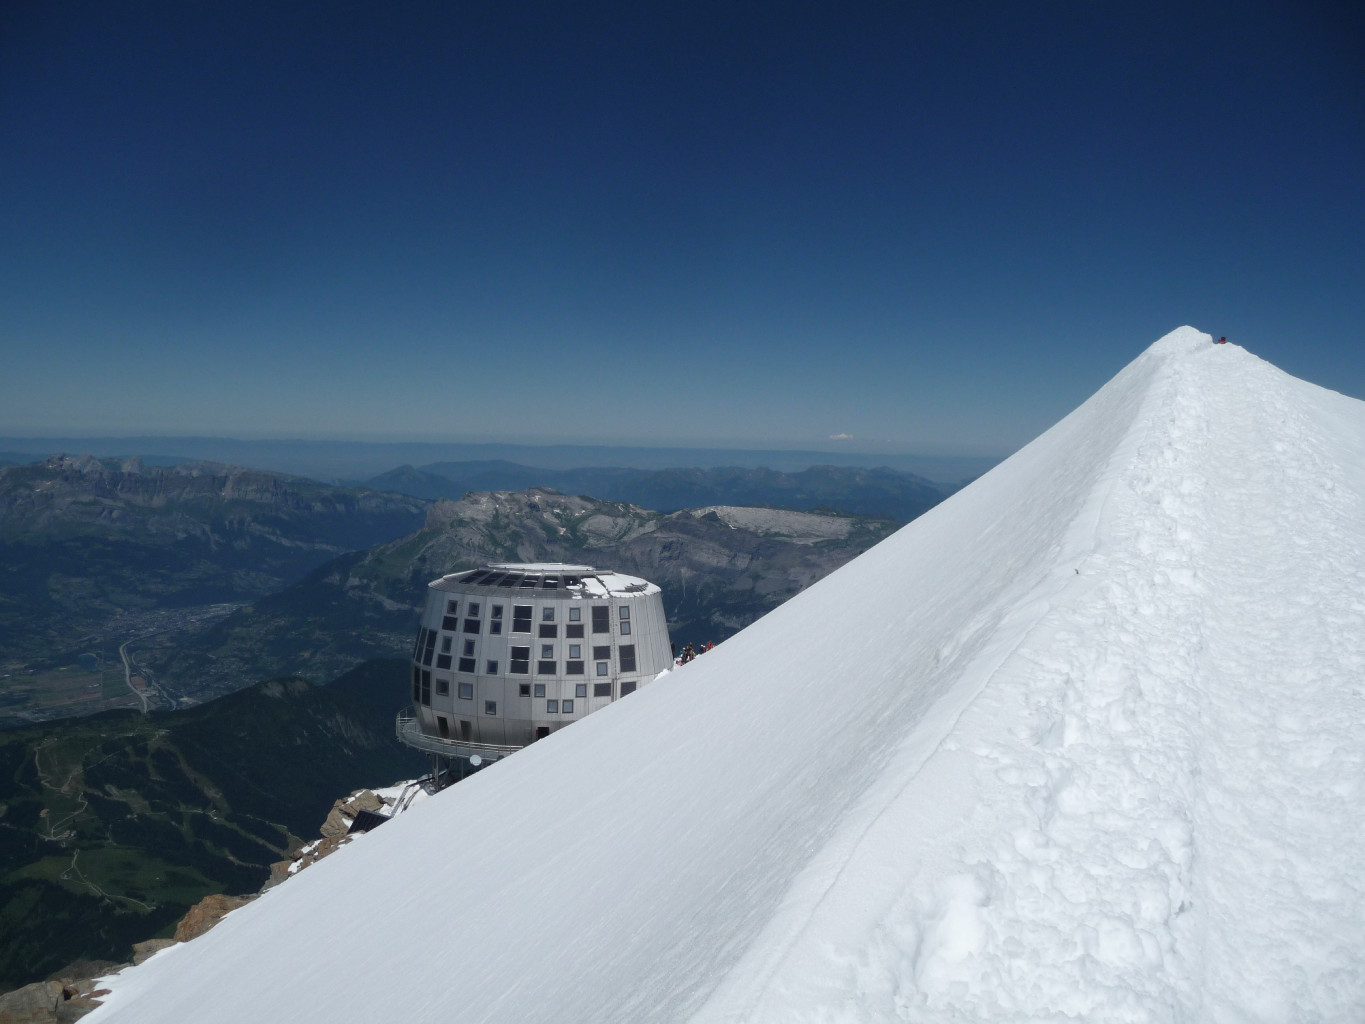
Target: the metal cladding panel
(517, 718)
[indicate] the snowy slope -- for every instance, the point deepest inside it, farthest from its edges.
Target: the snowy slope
(1098, 752)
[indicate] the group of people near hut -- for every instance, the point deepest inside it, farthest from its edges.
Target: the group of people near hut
(689, 652)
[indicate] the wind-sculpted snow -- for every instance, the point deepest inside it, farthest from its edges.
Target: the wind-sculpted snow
(1082, 743)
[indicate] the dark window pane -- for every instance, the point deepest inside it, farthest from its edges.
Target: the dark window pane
(601, 618)
(551, 583)
(524, 690)
(545, 668)
(472, 608)
(521, 618)
(497, 611)
(529, 582)
(467, 665)
(468, 648)
(627, 655)
(627, 688)
(601, 653)
(443, 661)
(520, 661)
(442, 687)
(574, 631)
(490, 668)
(471, 625)
(495, 627)
(549, 629)
(451, 623)
(573, 668)
(601, 689)
(490, 707)
(510, 580)
(452, 607)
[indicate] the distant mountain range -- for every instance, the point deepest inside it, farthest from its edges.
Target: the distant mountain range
(337, 461)
(873, 492)
(720, 569)
(93, 553)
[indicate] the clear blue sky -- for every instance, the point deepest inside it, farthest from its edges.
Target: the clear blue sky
(932, 227)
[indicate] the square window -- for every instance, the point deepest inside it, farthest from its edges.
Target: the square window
(540, 689)
(580, 690)
(490, 707)
(466, 691)
(547, 650)
(575, 613)
(466, 665)
(573, 668)
(490, 668)
(552, 707)
(548, 629)
(568, 707)
(625, 628)
(524, 690)
(452, 607)
(574, 631)
(471, 625)
(601, 668)
(545, 668)
(575, 650)
(547, 614)
(443, 661)
(451, 623)
(446, 641)
(602, 653)
(495, 627)
(497, 611)
(627, 656)
(468, 648)
(473, 609)
(601, 618)
(627, 688)
(442, 687)
(625, 611)
(601, 689)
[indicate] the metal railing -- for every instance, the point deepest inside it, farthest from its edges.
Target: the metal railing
(409, 730)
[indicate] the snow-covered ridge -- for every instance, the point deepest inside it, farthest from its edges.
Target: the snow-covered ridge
(1094, 751)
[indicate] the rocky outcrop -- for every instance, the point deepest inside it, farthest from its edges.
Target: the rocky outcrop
(207, 913)
(32, 1004)
(343, 812)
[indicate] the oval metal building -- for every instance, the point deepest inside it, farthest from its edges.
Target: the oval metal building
(509, 653)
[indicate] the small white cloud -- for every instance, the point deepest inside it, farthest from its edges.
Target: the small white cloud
(841, 437)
